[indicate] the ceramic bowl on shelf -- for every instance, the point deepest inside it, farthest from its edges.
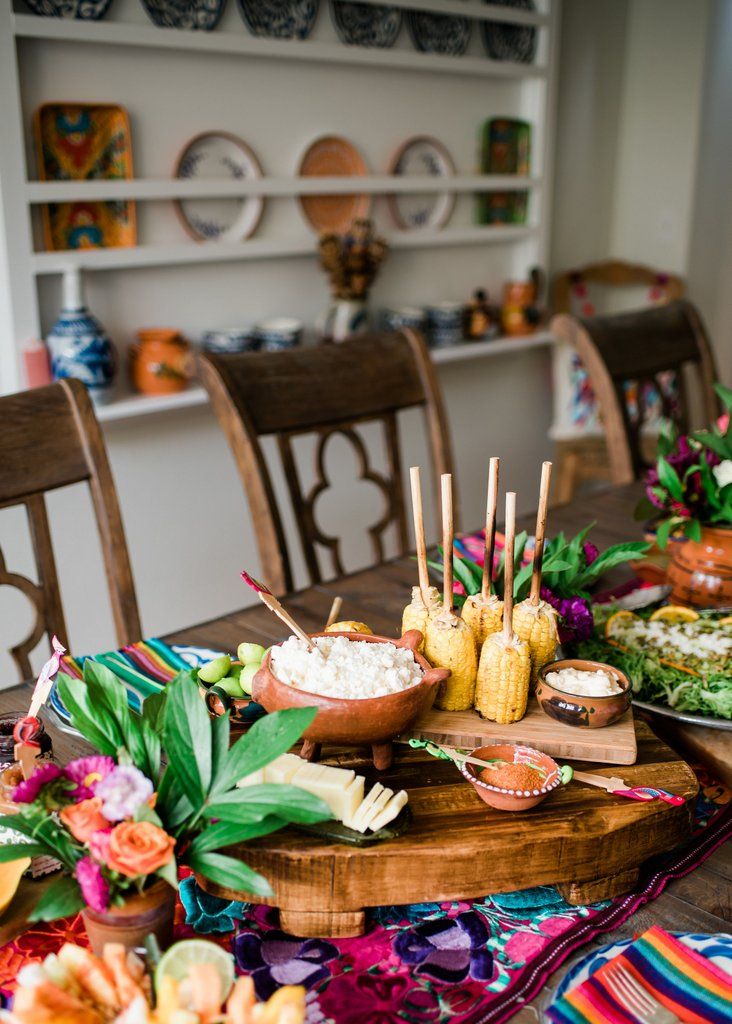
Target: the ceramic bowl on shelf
(279, 19)
(504, 799)
(189, 14)
(230, 339)
(359, 24)
(504, 40)
(405, 316)
(439, 33)
(445, 324)
(372, 721)
(278, 333)
(581, 711)
(87, 10)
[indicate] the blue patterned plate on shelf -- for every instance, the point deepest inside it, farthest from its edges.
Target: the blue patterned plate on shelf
(505, 41)
(279, 19)
(366, 24)
(87, 10)
(219, 155)
(201, 14)
(439, 33)
(717, 948)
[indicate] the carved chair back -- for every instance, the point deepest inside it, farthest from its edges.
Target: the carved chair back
(323, 391)
(50, 438)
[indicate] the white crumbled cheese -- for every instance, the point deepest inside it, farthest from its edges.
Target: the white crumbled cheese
(340, 667)
(684, 638)
(583, 683)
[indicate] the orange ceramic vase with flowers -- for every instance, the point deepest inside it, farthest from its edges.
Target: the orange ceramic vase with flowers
(700, 572)
(161, 363)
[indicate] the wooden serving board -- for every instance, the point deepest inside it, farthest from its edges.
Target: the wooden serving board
(589, 842)
(614, 744)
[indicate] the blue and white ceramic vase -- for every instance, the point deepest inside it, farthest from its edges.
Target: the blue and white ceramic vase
(78, 344)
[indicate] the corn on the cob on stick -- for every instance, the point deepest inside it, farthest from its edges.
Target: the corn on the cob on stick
(425, 599)
(449, 641)
(534, 620)
(483, 612)
(502, 688)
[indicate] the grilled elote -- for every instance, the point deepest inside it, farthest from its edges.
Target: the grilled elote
(449, 643)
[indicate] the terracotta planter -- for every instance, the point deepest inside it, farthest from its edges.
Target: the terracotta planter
(700, 572)
(142, 915)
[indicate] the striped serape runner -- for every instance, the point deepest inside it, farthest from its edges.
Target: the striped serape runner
(686, 983)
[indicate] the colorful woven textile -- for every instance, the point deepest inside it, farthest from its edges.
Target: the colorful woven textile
(692, 987)
(473, 962)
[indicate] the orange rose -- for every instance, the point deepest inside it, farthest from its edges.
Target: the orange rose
(138, 848)
(84, 818)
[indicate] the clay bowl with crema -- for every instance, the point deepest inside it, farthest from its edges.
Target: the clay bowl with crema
(504, 798)
(372, 721)
(577, 709)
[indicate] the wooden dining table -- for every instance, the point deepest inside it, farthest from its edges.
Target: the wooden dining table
(700, 902)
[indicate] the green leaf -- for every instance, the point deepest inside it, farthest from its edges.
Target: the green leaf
(187, 737)
(150, 748)
(725, 394)
(17, 851)
(285, 801)
(669, 478)
(95, 728)
(226, 833)
(609, 559)
(173, 804)
(693, 530)
(265, 740)
(220, 729)
(719, 445)
(61, 898)
(169, 873)
(153, 711)
(663, 530)
(145, 813)
(230, 873)
(465, 576)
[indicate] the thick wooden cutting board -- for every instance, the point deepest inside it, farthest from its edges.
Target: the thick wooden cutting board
(615, 744)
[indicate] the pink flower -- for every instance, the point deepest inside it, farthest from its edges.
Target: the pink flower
(123, 791)
(27, 791)
(99, 845)
(93, 885)
(723, 423)
(86, 772)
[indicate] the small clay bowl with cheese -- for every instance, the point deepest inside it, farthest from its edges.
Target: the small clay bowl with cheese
(583, 710)
(527, 778)
(365, 721)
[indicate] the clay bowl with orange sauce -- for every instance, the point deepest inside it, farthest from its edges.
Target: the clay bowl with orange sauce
(505, 798)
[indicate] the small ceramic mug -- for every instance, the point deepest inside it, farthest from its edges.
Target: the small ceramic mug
(279, 333)
(405, 316)
(229, 339)
(445, 322)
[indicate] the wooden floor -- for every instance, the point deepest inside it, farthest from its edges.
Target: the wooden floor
(701, 902)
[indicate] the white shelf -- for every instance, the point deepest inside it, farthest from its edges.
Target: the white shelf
(187, 188)
(111, 33)
(478, 10)
(177, 254)
(133, 406)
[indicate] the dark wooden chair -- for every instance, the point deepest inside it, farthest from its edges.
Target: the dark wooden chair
(323, 391)
(50, 438)
(640, 348)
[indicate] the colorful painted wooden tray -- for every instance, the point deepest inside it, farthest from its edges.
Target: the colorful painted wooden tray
(85, 141)
(333, 156)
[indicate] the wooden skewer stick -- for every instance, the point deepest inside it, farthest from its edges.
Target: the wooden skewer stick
(490, 528)
(447, 539)
(335, 611)
(508, 553)
(267, 598)
(546, 479)
(418, 516)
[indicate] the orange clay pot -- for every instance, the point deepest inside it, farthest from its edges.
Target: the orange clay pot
(161, 363)
(700, 572)
(517, 295)
(150, 912)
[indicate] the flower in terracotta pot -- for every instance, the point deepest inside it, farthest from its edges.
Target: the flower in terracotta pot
(121, 822)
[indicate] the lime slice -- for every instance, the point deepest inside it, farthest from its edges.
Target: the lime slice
(176, 961)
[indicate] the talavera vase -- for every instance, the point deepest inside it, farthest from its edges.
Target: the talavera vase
(78, 344)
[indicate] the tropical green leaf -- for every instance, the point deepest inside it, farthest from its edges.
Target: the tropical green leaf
(609, 559)
(153, 711)
(187, 737)
(230, 873)
(226, 833)
(725, 394)
(220, 730)
(719, 445)
(288, 802)
(669, 478)
(693, 530)
(17, 851)
(664, 528)
(463, 574)
(173, 804)
(61, 898)
(96, 729)
(264, 741)
(169, 873)
(146, 813)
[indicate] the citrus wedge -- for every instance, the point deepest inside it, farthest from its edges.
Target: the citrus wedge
(10, 875)
(176, 962)
(349, 626)
(674, 613)
(616, 618)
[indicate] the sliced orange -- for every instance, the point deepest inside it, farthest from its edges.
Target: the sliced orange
(726, 621)
(620, 616)
(674, 613)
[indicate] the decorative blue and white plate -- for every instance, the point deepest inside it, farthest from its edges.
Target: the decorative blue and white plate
(219, 155)
(439, 33)
(366, 24)
(191, 14)
(505, 41)
(717, 948)
(87, 10)
(422, 156)
(279, 19)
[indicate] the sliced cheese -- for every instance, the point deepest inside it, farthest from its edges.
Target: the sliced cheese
(348, 800)
(253, 779)
(392, 809)
(340, 788)
(283, 768)
(365, 806)
(377, 807)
